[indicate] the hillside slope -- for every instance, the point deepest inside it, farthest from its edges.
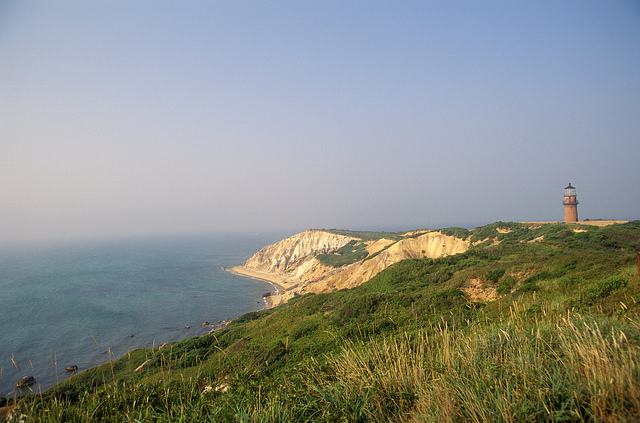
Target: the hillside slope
(295, 264)
(559, 341)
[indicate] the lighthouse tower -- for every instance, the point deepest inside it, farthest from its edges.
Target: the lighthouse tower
(570, 204)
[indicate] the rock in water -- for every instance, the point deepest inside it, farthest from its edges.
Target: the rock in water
(70, 369)
(25, 381)
(266, 294)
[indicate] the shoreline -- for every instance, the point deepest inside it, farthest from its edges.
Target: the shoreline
(204, 329)
(270, 301)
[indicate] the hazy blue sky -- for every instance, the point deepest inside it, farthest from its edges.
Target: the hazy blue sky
(136, 117)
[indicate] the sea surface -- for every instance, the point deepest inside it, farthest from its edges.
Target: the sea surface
(83, 303)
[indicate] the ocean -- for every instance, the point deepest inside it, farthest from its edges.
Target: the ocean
(82, 303)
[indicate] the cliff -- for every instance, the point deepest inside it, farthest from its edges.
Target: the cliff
(302, 263)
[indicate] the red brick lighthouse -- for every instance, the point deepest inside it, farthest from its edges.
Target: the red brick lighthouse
(570, 204)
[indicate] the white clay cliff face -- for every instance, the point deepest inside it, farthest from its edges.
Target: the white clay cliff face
(292, 262)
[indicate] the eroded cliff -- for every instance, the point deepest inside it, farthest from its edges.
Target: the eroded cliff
(298, 264)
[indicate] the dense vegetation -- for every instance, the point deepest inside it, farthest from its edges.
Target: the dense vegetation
(560, 341)
(350, 253)
(355, 250)
(366, 235)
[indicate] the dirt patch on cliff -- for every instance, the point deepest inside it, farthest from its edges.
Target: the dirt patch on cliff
(378, 245)
(478, 291)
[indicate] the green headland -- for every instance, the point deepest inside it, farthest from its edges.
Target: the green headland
(558, 339)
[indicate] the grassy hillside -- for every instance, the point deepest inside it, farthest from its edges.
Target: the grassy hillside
(560, 342)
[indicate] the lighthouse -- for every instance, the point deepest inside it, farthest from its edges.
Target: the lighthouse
(570, 204)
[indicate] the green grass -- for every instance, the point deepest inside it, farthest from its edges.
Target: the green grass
(366, 235)
(560, 343)
(350, 253)
(355, 250)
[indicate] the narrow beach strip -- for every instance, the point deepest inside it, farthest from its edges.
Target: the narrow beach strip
(275, 280)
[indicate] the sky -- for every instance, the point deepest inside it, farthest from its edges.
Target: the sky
(124, 118)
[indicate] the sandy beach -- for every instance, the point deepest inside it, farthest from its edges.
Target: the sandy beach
(278, 282)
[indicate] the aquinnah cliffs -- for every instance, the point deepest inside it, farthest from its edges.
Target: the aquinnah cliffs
(320, 261)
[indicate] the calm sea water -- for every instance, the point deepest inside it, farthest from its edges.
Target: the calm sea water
(76, 303)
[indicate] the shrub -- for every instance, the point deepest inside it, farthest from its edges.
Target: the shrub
(494, 275)
(505, 285)
(457, 232)
(528, 287)
(360, 306)
(247, 318)
(447, 298)
(271, 355)
(304, 328)
(605, 287)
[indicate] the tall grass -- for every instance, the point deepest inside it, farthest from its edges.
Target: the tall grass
(572, 368)
(558, 367)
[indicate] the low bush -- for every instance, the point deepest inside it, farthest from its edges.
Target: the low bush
(505, 285)
(494, 275)
(605, 287)
(457, 232)
(304, 328)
